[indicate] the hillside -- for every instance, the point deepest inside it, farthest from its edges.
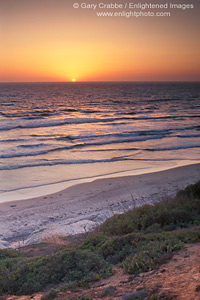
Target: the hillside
(150, 252)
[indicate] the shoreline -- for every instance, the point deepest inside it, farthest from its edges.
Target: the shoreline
(82, 207)
(52, 188)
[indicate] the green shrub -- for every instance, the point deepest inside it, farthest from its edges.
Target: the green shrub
(85, 297)
(154, 249)
(196, 222)
(191, 191)
(138, 295)
(29, 275)
(197, 288)
(154, 228)
(117, 249)
(182, 211)
(93, 241)
(7, 253)
(108, 291)
(51, 295)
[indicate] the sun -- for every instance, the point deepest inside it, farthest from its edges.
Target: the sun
(73, 79)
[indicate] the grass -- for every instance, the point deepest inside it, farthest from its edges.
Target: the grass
(139, 241)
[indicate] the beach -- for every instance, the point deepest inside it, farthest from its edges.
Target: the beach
(55, 135)
(81, 208)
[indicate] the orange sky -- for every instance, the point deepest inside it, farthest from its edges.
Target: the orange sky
(49, 40)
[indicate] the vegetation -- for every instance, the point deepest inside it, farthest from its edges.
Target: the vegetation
(181, 211)
(163, 296)
(7, 253)
(29, 275)
(51, 295)
(85, 297)
(109, 291)
(138, 295)
(138, 241)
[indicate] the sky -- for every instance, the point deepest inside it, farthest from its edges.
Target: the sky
(49, 40)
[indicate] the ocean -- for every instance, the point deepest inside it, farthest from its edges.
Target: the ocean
(54, 135)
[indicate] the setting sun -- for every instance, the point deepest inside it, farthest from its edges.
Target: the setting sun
(73, 79)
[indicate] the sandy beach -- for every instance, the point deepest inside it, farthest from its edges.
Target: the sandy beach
(82, 207)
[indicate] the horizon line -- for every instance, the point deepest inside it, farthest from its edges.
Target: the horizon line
(107, 81)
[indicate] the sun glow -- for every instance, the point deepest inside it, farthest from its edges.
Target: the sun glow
(114, 50)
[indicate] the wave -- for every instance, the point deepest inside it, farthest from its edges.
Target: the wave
(69, 109)
(39, 114)
(12, 140)
(188, 136)
(163, 100)
(68, 162)
(160, 132)
(81, 145)
(117, 135)
(41, 152)
(78, 162)
(32, 115)
(63, 122)
(143, 149)
(7, 104)
(172, 148)
(32, 146)
(90, 111)
(55, 123)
